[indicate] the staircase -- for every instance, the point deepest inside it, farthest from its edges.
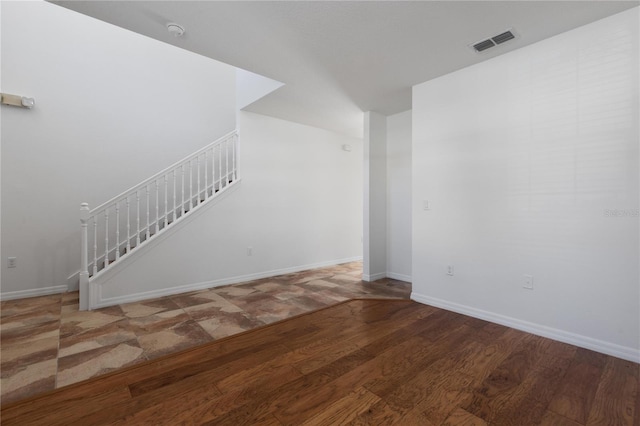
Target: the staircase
(123, 225)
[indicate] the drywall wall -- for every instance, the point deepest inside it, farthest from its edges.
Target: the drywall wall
(399, 196)
(530, 164)
(298, 205)
(374, 265)
(112, 108)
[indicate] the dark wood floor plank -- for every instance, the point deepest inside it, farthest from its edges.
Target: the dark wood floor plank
(414, 418)
(434, 392)
(242, 399)
(383, 413)
(341, 341)
(429, 395)
(578, 389)
(443, 398)
(615, 400)
(461, 417)
(546, 368)
(258, 409)
(39, 411)
(636, 417)
(224, 363)
(489, 332)
(168, 410)
(494, 353)
(387, 335)
(379, 414)
(199, 404)
(497, 388)
(364, 362)
(293, 392)
(359, 320)
(203, 396)
(552, 419)
(529, 399)
(345, 409)
(440, 349)
(396, 360)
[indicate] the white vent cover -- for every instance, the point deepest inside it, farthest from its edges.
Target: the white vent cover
(503, 37)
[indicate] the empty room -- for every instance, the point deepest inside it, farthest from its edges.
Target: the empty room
(320, 212)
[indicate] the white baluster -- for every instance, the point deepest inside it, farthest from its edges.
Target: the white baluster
(128, 225)
(175, 199)
(233, 157)
(182, 190)
(157, 206)
(190, 185)
(226, 154)
(238, 162)
(213, 171)
(206, 174)
(146, 187)
(219, 166)
(166, 200)
(137, 218)
(198, 171)
(106, 237)
(84, 266)
(95, 244)
(117, 230)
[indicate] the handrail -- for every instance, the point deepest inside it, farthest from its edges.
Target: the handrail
(162, 172)
(132, 218)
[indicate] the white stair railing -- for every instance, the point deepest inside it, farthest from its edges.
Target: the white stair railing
(128, 221)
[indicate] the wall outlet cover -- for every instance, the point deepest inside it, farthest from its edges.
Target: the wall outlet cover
(527, 282)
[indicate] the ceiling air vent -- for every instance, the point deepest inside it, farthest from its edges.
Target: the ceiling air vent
(501, 38)
(483, 45)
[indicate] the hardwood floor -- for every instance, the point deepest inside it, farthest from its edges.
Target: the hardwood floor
(371, 362)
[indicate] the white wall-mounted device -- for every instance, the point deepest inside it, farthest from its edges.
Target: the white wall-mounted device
(19, 101)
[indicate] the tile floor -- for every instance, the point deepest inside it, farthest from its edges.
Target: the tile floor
(47, 343)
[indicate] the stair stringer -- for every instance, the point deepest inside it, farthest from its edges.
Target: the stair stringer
(96, 283)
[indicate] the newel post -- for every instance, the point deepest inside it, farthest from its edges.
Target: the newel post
(84, 264)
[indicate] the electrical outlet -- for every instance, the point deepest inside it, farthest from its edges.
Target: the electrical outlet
(450, 270)
(249, 251)
(12, 262)
(527, 282)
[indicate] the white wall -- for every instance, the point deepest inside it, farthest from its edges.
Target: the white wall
(399, 196)
(112, 108)
(374, 265)
(299, 204)
(523, 158)
(251, 86)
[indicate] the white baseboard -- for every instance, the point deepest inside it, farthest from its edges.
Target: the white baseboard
(110, 301)
(624, 352)
(21, 294)
(374, 277)
(381, 275)
(73, 281)
(399, 277)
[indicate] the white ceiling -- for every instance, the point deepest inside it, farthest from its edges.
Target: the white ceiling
(340, 58)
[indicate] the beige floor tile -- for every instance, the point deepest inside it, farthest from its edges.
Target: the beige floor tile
(28, 380)
(84, 365)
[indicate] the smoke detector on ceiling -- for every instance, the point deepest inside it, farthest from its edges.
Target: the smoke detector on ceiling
(503, 37)
(175, 29)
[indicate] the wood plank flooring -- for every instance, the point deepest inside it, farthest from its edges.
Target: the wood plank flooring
(362, 362)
